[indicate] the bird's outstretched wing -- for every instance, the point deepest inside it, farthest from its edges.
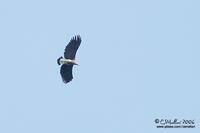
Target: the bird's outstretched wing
(72, 47)
(66, 73)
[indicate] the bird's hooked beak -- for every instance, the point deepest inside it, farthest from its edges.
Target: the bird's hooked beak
(75, 63)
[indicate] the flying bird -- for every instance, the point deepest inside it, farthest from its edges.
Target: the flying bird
(68, 61)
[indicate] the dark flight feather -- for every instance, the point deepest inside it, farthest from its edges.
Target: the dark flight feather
(66, 73)
(72, 47)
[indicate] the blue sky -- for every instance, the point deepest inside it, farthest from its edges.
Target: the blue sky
(138, 61)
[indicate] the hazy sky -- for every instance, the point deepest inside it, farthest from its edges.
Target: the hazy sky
(138, 61)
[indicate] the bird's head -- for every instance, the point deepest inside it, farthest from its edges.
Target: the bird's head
(58, 60)
(73, 62)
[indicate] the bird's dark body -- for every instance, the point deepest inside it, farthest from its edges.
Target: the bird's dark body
(69, 58)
